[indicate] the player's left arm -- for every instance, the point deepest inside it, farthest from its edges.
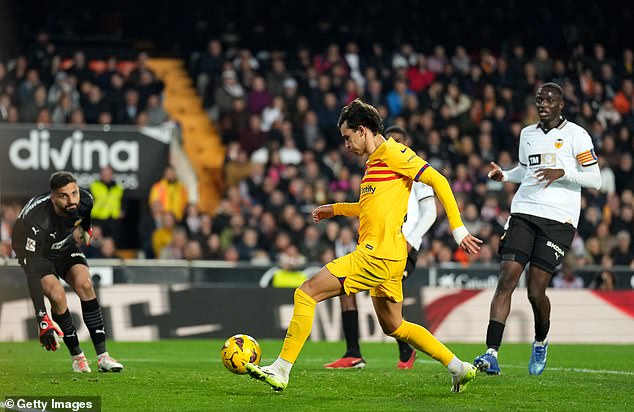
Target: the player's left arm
(407, 163)
(586, 173)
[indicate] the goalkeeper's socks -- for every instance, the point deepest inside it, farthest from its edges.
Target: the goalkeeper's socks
(91, 312)
(65, 322)
(492, 352)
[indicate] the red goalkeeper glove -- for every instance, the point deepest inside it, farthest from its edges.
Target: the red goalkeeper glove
(49, 333)
(86, 236)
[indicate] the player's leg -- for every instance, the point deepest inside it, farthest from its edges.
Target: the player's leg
(412, 257)
(350, 319)
(407, 354)
(552, 242)
(78, 277)
(515, 249)
(538, 280)
(56, 294)
(321, 286)
(391, 320)
(40, 275)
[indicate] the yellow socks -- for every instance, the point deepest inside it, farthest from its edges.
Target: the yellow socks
(300, 326)
(423, 340)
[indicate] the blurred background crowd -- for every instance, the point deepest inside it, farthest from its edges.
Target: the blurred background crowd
(275, 94)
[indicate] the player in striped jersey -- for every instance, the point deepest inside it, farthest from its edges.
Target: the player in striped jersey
(421, 214)
(378, 262)
(556, 159)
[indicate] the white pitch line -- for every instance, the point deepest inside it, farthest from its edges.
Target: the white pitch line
(558, 369)
(322, 360)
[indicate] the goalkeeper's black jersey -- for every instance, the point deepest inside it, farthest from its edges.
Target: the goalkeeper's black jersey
(40, 231)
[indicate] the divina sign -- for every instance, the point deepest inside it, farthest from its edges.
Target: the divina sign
(28, 155)
(35, 152)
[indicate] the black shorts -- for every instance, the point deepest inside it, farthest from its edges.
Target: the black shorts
(542, 242)
(40, 266)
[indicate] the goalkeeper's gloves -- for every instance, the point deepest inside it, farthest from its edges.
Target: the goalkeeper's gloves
(86, 236)
(49, 333)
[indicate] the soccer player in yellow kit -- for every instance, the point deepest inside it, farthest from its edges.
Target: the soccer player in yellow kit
(379, 260)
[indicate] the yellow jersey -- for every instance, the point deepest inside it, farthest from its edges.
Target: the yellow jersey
(385, 189)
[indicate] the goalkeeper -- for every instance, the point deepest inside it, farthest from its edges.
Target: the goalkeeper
(44, 243)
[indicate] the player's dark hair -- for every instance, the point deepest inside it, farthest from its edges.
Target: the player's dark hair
(358, 114)
(555, 87)
(396, 129)
(61, 179)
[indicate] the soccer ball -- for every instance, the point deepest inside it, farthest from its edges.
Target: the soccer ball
(239, 350)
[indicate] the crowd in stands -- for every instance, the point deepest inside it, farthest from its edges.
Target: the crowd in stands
(277, 115)
(276, 112)
(41, 87)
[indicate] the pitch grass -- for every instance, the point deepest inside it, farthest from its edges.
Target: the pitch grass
(188, 375)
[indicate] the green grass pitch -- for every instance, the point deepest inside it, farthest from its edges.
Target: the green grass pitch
(188, 375)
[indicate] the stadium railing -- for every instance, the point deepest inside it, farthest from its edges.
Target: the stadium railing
(243, 274)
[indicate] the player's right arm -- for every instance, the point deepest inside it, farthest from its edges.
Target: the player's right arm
(514, 175)
(34, 262)
(343, 209)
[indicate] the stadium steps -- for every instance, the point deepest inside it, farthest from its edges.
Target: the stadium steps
(201, 141)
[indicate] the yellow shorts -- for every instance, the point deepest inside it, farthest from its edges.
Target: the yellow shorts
(360, 271)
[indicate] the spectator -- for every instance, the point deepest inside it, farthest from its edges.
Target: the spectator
(229, 90)
(193, 220)
(94, 105)
(108, 208)
(128, 112)
(33, 107)
(155, 112)
(149, 223)
(79, 68)
(63, 109)
(259, 97)
(567, 279)
(108, 249)
(171, 193)
(253, 137)
(623, 253)
(604, 281)
(193, 251)
(213, 249)
(175, 249)
(162, 235)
